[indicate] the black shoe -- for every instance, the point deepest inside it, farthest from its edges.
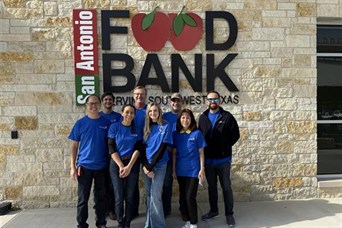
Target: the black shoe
(112, 215)
(167, 213)
(230, 220)
(210, 215)
(136, 214)
(185, 218)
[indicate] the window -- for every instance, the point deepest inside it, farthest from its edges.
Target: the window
(329, 99)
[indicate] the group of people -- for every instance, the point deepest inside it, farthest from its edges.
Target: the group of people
(111, 148)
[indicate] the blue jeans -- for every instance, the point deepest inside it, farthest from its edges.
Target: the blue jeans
(124, 191)
(85, 181)
(222, 171)
(167, 189)
(154, 206)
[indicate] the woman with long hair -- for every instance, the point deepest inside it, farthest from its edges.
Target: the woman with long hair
(157, 136)
(124, 144)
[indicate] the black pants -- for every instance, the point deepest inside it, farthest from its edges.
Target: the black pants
(222, 171)
(136, 193)
(85, 181)
(187, 197)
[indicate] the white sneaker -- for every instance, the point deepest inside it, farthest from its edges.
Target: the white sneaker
(193, 226)
(187, 225)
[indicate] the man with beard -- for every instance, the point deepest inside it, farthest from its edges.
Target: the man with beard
(221, 132)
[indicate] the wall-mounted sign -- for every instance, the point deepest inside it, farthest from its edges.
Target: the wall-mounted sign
(85, 54)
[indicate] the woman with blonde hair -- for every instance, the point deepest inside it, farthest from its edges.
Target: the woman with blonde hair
(157, 136)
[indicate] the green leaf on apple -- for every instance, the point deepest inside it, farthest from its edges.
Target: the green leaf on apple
(178, 24)
(189, 20)
(148, 20)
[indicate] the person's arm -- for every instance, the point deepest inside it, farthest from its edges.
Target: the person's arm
(127, 169)
(201, 174)
(157, 157)
(174, 157)
(112, 149)
(73, 153)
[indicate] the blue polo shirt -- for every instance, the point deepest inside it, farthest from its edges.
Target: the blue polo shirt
(139, 120)
(188, 157)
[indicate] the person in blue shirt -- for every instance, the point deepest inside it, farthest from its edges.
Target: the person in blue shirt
(221, 132)
(171, 118)
(123, 144)
(157, 137)
(107, 112)
(139, 97)
(188, 164)
(89, 161)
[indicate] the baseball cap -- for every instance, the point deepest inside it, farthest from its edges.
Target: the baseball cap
(176, 96)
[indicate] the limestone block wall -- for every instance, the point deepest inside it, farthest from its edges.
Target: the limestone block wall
(275, 71)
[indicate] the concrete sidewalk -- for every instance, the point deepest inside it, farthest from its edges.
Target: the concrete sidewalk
(315, 213)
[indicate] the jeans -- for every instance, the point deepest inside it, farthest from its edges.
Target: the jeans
(167, 189)
(137, 193)
(154, 206)
(124, 191)
(222, 171)
(187, 197)
(109, 192)
(85, 181)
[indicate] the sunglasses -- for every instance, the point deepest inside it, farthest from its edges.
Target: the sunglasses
(213, 100)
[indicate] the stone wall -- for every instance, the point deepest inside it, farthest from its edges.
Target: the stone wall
(275, 71)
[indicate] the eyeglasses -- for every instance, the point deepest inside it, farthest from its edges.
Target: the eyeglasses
(213, 100)
(93, 104)
(139, 94)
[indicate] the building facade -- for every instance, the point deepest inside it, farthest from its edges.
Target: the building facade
(289, 125)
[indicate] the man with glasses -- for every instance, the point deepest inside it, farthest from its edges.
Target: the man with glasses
(89, 145)
(221, 132)
(171, 118)
(139, 97)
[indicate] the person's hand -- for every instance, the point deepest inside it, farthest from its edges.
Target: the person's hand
(125, 171)
(201, 174)
(73, 173)
(174, 175)
(150, 174)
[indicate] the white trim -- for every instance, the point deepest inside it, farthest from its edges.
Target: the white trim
(329, 54)
(329, 121)
(329, 176)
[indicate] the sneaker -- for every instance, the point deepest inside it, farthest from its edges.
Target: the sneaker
(193, 226)
(112, 215)
(230, 220)
(210, 215)
(186, 225)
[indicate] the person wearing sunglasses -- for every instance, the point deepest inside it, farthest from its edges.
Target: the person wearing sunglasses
(221, 132)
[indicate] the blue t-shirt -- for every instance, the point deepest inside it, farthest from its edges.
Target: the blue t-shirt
(216, 161)
(139, 120)
(159, 134)
(113, 117)
(188, 157)
(171, 118)
(124, 138)
(92, 137)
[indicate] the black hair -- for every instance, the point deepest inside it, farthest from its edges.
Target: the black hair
(93, 95)
(133, 129)
(107, 94)
(193, 124)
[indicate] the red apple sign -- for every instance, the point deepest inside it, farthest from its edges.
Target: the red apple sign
(151, 30)
(187, 29)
